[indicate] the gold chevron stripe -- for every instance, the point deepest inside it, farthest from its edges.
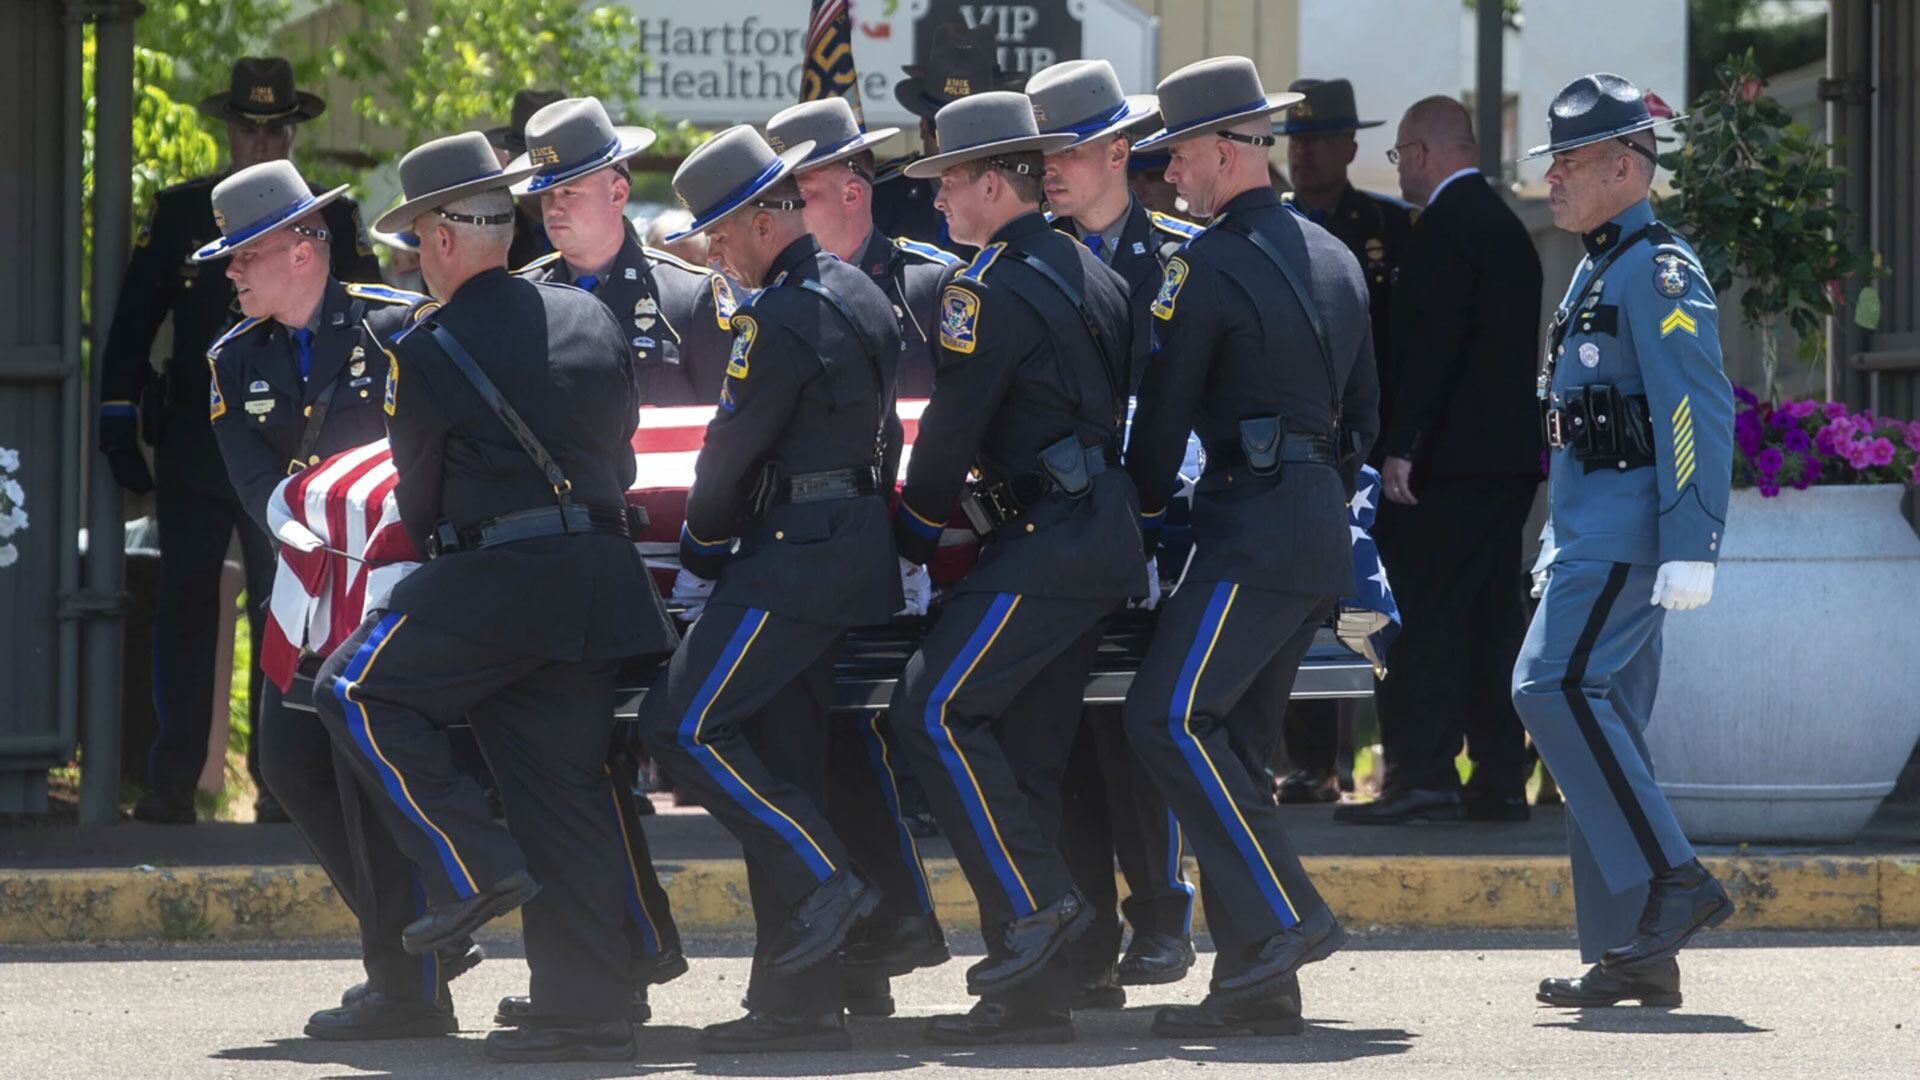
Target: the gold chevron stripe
(1679, 320)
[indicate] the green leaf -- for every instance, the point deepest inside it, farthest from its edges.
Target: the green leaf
(1866, 309)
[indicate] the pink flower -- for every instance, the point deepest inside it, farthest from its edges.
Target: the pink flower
(1915, 478)
(1913, 435)
(1835, 410)
(1880, 452)
(1859, 456)
(1800, 410)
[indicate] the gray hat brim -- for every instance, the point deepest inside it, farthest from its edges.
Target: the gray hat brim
(630, 142)
(866, 141)
(1588, 140)
(400, 218)
(227, 245)
(713, 215)
(1285, 99)
(929, 167)
(1139, 108)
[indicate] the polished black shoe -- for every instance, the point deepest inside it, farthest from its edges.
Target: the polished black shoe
(1680, 903)
(1029, 943)
(376, 1016)
(1481, 806)
(455, 960)
(1656, 984)
(867, 991)
(896, 946)
(1305, 786)
(1153, 959)
(992, 1023)
(517, 1010)
(1397, 806)
(442, 926)
(766, 1033)
(1100, 991)
(268, 811)
(662, 967)
(821, 921)
(1316, 937)
(548, 1040)
(160, 807)
(1213, 1017)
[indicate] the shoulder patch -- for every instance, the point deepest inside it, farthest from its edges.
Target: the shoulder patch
(393, 381)
(415, 316)
(235, 331)
(1670, 274)
(1177, 226)
(540, 263)
(977, 269)
(724, 302)
(927, 251)
(1170, 284)
(385, 294)
(745, 329)
(960, 317)
(216, 404)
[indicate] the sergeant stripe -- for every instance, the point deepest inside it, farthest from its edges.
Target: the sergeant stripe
(1683, 456)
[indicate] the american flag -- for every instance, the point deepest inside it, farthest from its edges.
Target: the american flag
(829, 70)
(1369, 614)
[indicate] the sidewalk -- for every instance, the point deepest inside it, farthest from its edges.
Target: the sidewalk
(257, 882)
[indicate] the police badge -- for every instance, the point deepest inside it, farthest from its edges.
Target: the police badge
(646, 311)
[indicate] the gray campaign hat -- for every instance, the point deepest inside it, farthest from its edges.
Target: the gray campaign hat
(829, 124)
(726, 172)
(257, 202)
(1083, 98)
(436, 173)
(512, 135)
(1328, 106)
(1208, 95)
(570, 139)
(1597, 107)
(985, 125)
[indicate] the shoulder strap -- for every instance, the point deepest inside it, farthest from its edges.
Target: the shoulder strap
(1117, 373)
(316, 419)
(1300, 293)
(867, 346)
(489, 393)
(1562, 317)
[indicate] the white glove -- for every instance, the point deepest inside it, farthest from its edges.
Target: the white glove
(1539, 584)
(1153, 586)
(916, 586)
(1355, 628)
(1683, 586)
(691, 591)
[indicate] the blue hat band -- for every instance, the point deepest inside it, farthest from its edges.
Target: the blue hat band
(829, 151)
(1093, 123)
(278, 217)
(1236, 110)
(738, 195)
(556, 174)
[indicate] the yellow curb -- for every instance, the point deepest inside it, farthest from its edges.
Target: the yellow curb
(710, 895)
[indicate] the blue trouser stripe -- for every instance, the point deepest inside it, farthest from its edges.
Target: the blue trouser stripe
(909, 854)
(1175, 872)
(630, 882)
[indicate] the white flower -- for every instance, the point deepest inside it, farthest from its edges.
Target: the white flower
(15, 493)
(7, 526)
(9, 460)
(19, 517)
(8, 555)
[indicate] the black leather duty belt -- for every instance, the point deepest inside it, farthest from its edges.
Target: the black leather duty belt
(988, 506)
(1294, 450)
(534, 524)
(828, 485)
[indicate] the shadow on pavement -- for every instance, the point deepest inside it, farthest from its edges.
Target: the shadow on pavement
(1617, 1021)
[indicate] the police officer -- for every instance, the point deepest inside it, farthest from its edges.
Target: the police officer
(581, 190)
(789, 470)
(195, 503)
(864, 771)
(675, 313)
(1639, 419)
(510, 411)
(1112, 808)
(1030, 391)
(509, 141)
(295, 381)
(1375, 227)
(1264, 349)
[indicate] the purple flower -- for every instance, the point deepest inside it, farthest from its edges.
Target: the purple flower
(1859, 455)
(1913, 435)
(1745, 396)
(1802, 409)
(1747, 439)
(1880, 452)
(1810, 470)
(1768, 461)
(1769, 488)
(1796, 441)
(1781, 420)
(1834, 410)
(1915, 478)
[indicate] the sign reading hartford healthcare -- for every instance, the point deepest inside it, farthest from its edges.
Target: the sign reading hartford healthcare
(739, 61)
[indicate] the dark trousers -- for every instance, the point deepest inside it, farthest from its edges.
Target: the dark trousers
(740, 722)
(388, 695)
(314, 782)
(1455, 564)
(1114, 812)
(1217, 646)
(864, 776)
(650, 926)
(198, 514)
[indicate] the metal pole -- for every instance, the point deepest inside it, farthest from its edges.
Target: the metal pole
(1849, 93)
(1490, 95)
(106, 548)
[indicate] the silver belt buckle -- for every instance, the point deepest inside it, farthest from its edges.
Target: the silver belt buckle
(1555, 437)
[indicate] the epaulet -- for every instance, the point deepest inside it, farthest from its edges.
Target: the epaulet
(671, 259)
(234, 331)
(927, 251)
(1180, 227)
(537, 264)
(977, 269)
(384, 294)
(416, 315)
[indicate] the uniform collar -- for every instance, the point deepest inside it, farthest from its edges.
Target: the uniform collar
(1025, 225)
(792, 256)
(1250, 199)
(1625, 223)
(875, 257)
(629, 256)
(1113, 235)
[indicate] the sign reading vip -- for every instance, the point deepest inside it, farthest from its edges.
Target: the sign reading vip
(734, 61)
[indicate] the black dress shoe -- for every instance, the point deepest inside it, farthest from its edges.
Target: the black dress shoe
(268, 811)
(1316, 937)
(549, 1040)
(377, 1016)
(767, 1033)
(896, 946)
(455, 960)
(517, 1010)
(1153, 959)
(821, 921)
(992, 1023)
(1483, 806)
(1212, 1018)
(1680, 903)
(1401, 805)
(1656, 984)
(1100, 991)
(442, 926)
(1305, 786)
(867, 991)
(1029, 943)
(662, 967)
(160, 807)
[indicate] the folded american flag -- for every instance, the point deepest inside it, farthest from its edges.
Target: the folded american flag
(1369, 619)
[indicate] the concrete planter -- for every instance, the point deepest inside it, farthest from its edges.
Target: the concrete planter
(1788, 704)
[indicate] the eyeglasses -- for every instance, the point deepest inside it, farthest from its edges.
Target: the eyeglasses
(1393, 155)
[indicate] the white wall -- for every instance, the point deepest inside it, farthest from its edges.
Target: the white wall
(1644, 40)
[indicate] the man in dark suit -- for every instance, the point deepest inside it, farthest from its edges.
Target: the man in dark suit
(1461, 462)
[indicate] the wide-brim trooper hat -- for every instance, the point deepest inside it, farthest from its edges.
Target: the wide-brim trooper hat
(512, 135)
(260, 92)
(985, 125)
(727, 172)
(257, 202)
(1209, 95)
(572, 138)
(829, 124)
(436, 173)
(1083, 98)
(1326, 106)
(1595, 108)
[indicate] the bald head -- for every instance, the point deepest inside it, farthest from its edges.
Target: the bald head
(1435, 141)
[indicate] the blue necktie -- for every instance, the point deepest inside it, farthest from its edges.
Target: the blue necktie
(587, 281)
(1093, 244)
(303, 338)
(1318, 217)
